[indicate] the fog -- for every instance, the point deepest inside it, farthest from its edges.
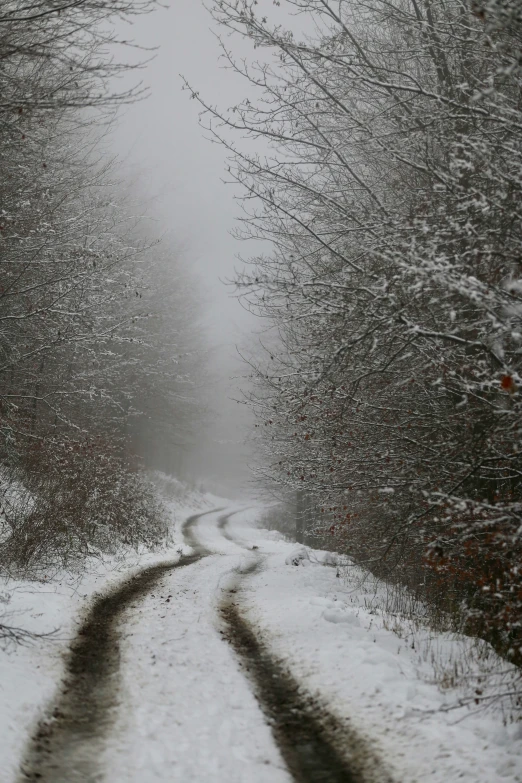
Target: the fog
(176, 175)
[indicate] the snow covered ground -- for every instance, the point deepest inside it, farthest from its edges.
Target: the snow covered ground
(55, 605)
(186, 710)
(318, 624)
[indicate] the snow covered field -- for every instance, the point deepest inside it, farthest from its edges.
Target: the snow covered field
(186, 710)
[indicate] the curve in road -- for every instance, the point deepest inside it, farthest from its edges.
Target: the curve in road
(188, 530)
(66, 744)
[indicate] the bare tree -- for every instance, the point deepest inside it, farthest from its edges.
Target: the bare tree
(390, 193)
(80, 356)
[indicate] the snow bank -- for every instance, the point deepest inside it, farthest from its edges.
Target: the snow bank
(298, 557)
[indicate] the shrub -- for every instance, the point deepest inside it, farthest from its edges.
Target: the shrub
(86, 496)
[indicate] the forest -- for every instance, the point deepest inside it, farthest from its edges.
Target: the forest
(377, 155)
(261, 391)
(98, 343)
(379, 152)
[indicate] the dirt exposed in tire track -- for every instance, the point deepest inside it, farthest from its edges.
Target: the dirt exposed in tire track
(67, 743)
(316, 746)
(222, 525)
(189, 535)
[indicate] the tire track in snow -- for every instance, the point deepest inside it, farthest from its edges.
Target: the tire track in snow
(222, 525)
(67, 744)
(315, 745)
(189, 534)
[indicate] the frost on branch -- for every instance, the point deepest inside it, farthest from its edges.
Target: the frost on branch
(388, 182)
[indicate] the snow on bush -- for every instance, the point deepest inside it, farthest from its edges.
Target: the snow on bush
(298, 557)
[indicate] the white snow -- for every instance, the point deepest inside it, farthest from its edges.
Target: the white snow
(187, 712)
(55, 605)
(325, 630)
(186, 709)
(297, 557)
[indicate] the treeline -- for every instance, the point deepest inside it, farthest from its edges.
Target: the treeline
(387, 178)
(95, 353)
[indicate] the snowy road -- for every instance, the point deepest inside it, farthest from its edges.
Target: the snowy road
(166, 680)
(226, 664)
(66, 743)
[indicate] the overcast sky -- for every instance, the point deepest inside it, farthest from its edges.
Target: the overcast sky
(160, 140)
(179, 176)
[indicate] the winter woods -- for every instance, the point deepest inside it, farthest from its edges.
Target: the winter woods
(384, 168)
(81, 323)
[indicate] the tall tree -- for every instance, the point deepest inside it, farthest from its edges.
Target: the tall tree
(77, 345)
(391, 197)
